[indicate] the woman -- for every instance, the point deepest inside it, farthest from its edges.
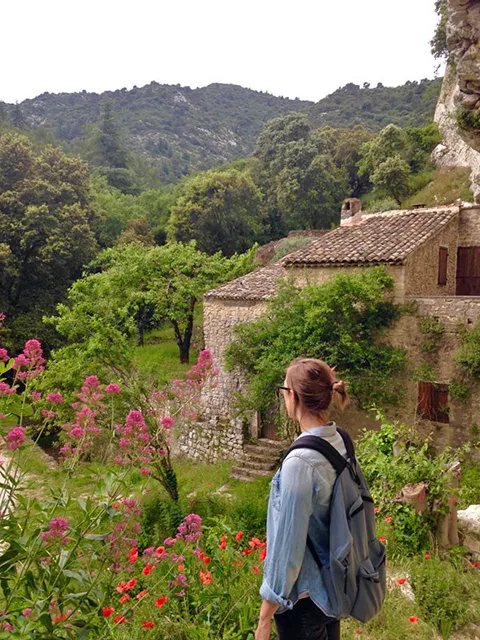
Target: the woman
(292, 590)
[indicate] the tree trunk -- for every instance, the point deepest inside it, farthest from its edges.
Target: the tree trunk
(184, 341)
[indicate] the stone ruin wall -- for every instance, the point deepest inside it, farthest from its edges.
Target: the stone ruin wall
(219, 434)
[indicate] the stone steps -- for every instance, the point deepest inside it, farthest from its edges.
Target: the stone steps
(248, 475)
(260, 459)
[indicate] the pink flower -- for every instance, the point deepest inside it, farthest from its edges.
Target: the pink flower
(48, 414)
(167, 422)
(55, 398)
(26, 612)
(35, 396)
(6, 390)
(56, 532)
(4, 355)
(15, 438)
(112, 389)
(145, 471)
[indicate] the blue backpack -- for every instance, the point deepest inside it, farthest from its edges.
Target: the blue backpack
(355, 575)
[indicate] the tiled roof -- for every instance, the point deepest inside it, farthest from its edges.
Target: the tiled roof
(260, 284)
(385, 238)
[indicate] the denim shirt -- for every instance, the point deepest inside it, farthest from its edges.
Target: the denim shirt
(299, 504)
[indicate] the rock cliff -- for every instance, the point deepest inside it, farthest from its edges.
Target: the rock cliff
(458, 109)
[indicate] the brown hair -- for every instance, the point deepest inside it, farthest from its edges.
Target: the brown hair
(313, 382)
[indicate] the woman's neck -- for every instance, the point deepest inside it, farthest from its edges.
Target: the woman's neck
(309, 422)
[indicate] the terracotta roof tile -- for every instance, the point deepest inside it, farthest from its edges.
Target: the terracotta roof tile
(260, 284)
(378, 238)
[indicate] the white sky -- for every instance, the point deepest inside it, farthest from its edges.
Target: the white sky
(304, 48)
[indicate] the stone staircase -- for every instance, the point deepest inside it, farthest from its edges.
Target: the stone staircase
(259, 459)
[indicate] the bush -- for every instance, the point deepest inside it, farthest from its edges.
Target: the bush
(340, 321)
(393, 457)
(467, 358)
(433, 330)
(380, 205)
(289, 245)
(445, 593)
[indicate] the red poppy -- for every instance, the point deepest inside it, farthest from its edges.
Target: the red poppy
(148, 625)
(121, 587)
(159, 602)
(255, 570)
(376, 510)
(160, 551)
(141, 594)
(427, 556)
(358, 632)
(388, 520)
(201, 555)
(206, 561)
(247, 552)
(382, 539)
(133, 557)
(401, 580)
(115, 505)
(180, 568)
(475, 564)
(263, 555)
(125, 598)
(205, 576)
(119, 619)
(222, 545)
(107, 611)
(239, 536)
(130, 584)
(61, 617)
(148, 569)
(413, 619)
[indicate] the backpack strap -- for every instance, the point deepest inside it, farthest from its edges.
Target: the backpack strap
(348, 443)
(317, 443)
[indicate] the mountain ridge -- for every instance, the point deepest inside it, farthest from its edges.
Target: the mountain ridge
(179, 130)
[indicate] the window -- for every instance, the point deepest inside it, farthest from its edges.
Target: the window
(442, 265)
(433, 401)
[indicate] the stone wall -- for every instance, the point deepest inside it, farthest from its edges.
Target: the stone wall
(421, 267)
(469, 227)
(219, 434)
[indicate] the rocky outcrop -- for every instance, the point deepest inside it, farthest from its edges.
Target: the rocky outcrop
(469, 528)
(459, 104)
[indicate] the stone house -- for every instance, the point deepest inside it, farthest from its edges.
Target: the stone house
(434, 258)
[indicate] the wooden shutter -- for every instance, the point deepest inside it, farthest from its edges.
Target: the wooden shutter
(442, 265)
(433, 401)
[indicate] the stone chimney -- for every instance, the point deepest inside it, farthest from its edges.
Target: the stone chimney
(350, 208)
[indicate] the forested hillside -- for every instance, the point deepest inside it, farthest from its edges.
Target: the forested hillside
(409, 105)
(181, 130)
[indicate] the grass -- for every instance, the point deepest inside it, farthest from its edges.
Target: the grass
(159, 358)
(446, 186)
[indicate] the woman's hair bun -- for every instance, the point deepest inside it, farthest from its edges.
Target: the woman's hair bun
(339, 387)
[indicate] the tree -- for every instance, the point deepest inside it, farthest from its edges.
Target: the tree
(137, 231)
(18, 118)
(438, 43)
(392, 177)
(46, 232)
(390, 141)
(218, 209)
(124, 290)
(293, 168)
(107, 150)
